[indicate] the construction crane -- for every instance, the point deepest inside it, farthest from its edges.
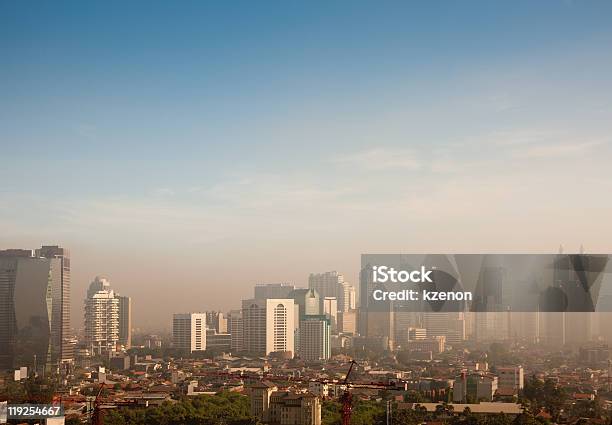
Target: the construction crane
(97, 411)
(347, 398)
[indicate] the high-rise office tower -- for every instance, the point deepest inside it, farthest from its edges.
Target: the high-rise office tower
(347, 322)
(264, 291)
(404, 320)
(189, 332)
(217, 321)
(235, 328)
(346, 297)
(306, 301)
(34, 308)
(330, 309)
(448, 324)
(101, 317)
(373, 322)
(315, 338)
(332, 284)
(326, 284)
(125, 321)
(60, 331)
(269, 325)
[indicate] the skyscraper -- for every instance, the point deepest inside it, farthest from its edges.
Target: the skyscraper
(332, 284)
(60, 331)
(448, 324)
(307, 301)
(330, 309)
(189, 332)
(101, 317)
(326, 284)
(235, 328)
(34, 308)
(125, 321)
(346, 297)
(347, 322)
(268, 325)
(217, 321)
(315, 338)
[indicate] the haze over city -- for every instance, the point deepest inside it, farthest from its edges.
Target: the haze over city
(258, 144)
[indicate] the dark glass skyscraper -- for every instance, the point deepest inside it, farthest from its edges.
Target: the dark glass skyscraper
(34, 308)
(60, 329)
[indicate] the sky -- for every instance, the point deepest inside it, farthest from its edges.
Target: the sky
(189, 150)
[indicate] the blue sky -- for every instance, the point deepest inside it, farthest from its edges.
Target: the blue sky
(258, 130)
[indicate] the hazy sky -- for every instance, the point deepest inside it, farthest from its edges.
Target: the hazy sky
(187, 151)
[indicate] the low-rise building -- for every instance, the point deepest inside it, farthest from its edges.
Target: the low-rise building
(276, 407)
(474, 387)
(511, 379)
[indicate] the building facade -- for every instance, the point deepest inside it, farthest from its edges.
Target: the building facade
(451, 325)
(347, 322)
(216, 320)
(434, 344)
(273, 290)
(60, 331)
(315, 332)
(268, 326)
(511, 379)
(330, 309)
(125, 321)
(332, 284)
(35, 308)
(219, 342)
(189, 332)
(474, 387)
(101, 317)
(275, 407)
(235, 328)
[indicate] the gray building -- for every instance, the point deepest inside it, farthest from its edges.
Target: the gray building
(264, 291)
(125, 321)
(235, 328)
(307, 301)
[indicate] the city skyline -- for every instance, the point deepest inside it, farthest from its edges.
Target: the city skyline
(332, 278)
(204, 146)
(306, 213)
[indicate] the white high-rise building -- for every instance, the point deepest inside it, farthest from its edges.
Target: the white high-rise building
(268, 325)
(101, 317)
(346, 297)
(189, 332)
(330, 309)
(315, 338)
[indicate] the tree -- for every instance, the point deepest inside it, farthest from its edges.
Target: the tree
(222, 409)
